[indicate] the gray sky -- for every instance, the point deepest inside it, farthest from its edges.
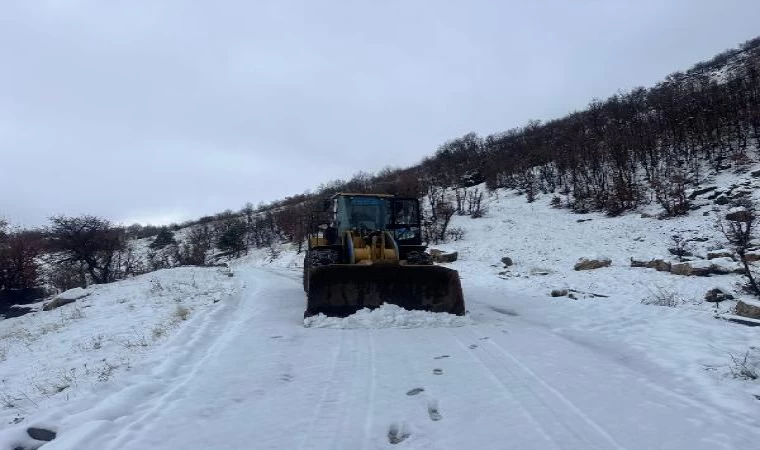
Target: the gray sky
(164, 110)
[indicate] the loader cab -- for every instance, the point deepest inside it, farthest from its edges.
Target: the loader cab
(367, 213)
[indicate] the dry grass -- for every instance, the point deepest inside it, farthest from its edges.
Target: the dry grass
(181, 313)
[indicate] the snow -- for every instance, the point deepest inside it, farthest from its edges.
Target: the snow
(388, 316)
(81, 350)
(522, 370)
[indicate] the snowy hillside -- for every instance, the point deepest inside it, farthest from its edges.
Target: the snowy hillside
(192, 358)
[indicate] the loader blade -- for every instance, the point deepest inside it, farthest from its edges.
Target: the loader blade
(342, 289)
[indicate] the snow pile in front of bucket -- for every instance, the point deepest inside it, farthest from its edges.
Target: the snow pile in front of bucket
(388, 316)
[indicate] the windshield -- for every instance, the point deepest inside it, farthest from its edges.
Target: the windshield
(364, 213)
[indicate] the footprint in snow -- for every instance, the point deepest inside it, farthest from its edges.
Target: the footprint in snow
(415, 391)
(441, 357)
(484, 338)
(473, 346)
(275, 337)
(433, 412)
(437, 371)
(397, 433)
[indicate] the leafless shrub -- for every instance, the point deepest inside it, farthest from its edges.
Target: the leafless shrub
(680, 247)
(94, 343)
(746, 367)
(739, 230)
(663, 297)
(155, 286)
(181, 313)
(105, 372)
(72, 313)
(158, 332)
(455, 234)
(138, 341)
(7, 401)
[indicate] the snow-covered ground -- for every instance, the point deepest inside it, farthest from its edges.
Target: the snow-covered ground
(80, 351)
(522, 370)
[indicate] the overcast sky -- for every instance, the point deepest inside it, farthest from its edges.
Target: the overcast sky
(162, 110)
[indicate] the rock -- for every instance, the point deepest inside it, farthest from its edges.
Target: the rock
(701, 191)
(742, 193)
(64, 298)
(40, 434)
(591, 264)
(720, 253)
(755, 173)
(748, 308)
(56, 303)
(440, 256)
(706, 213)
(752, 256)
(507, 261)
(724, 266)
(559, 293)
(684, 269)
(73, 294)
(636, 263)
(676, 251)
(717, 295)
(688, 268)
(739, 215)
(646, 216)
(659, 265)
(722, 200)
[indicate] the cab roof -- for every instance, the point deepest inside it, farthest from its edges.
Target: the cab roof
(352, 194)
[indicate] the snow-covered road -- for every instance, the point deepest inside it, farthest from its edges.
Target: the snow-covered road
(248, 375)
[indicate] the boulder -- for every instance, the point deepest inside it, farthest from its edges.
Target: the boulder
(722, 200)
(748, 308)
(717, 295)
(559, 293)
(752, 256)
(721, 253)
(659, 265)
(41, 434)
(688, 268)
(739, 215)
(507, 261)
(65, 298)
(637, 263)
(724, 266)
(591, 264)
(440, 256)
(701, 191)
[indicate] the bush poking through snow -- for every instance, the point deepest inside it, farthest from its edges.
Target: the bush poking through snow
(663, 297)
(746, 367)
(181, 313)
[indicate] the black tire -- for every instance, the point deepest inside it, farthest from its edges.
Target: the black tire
(315, 258)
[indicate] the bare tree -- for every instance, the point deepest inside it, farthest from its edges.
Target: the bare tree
(739, 229)
(98, 244)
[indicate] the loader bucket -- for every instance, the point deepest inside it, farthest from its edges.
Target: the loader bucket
(342, 289)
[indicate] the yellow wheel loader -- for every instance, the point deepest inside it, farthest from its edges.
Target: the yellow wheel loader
(366, 250)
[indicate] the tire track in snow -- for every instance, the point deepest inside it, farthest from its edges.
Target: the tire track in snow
(306, 443)
(369, 417)
(559, 420)
(200, 343)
